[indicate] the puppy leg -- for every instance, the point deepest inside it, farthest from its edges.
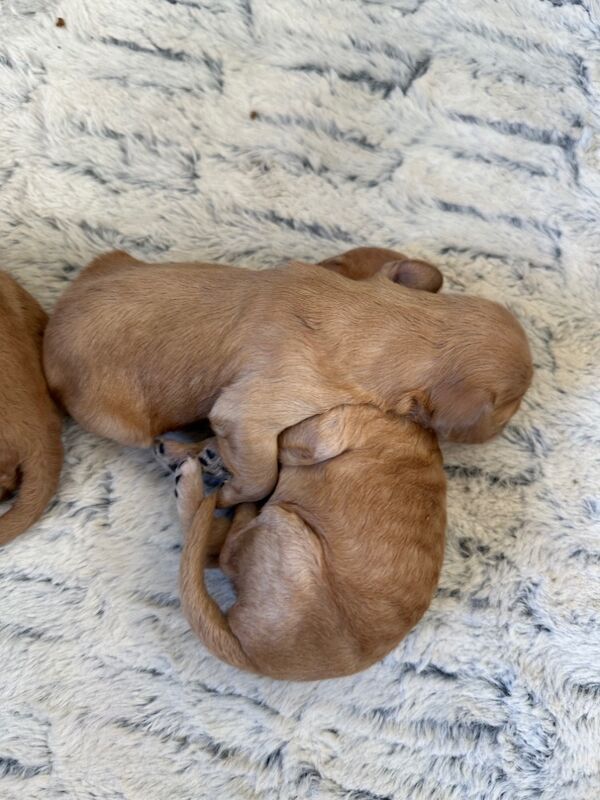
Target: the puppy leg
(214, 471)
(253, 461)
(248, 421)
(247, 442)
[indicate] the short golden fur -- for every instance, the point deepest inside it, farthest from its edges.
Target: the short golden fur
(30, 425)
(134, 350)
(340, 563)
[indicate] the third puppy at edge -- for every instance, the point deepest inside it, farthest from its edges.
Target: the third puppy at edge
(30, 426)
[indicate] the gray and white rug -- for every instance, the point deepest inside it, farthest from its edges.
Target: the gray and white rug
(250, 131)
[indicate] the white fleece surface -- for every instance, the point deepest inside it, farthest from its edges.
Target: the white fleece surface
(249, 131)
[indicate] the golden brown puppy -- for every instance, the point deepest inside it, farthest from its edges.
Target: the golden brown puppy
(30, 425)
(134, 350)
(340, 563)
(361, 263)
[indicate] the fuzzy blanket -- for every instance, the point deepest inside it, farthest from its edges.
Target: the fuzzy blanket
(250, 131)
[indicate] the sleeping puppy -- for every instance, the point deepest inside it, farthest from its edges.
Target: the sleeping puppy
(134, 350)
(30, 426)
(339, 564)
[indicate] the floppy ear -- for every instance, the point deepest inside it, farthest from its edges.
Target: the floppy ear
(461, 413)
(317, 439)
(414, 274)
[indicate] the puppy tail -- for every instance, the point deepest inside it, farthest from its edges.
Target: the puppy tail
(207, 620)
(40, 473)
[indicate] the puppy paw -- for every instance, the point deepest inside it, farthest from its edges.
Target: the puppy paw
(215, 473)
(170, 453)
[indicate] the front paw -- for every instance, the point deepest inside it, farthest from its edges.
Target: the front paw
(171, 453)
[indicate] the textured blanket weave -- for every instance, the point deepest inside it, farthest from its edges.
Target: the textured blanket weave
(250, 131)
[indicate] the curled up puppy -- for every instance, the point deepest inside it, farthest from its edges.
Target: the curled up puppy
(30, 425)
(338, 565)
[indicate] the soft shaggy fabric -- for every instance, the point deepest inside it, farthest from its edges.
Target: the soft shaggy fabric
(250, 131)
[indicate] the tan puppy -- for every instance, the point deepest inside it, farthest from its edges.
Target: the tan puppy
(30, 425)
(137, 349)
(341, 562)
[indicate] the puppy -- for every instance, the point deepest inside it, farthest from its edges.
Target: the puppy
(340, 563)
(30, 425)
(134, 350)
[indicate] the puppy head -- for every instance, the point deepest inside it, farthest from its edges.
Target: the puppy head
(480, 379)
(363, 263)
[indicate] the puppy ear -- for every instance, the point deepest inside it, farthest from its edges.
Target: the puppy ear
(316, 439)
(461, 413)
(332, 261)
(414, 274)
